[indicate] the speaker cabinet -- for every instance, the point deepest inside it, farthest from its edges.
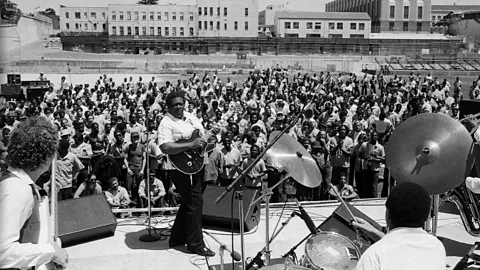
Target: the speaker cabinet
(85, 219)
(218, 216)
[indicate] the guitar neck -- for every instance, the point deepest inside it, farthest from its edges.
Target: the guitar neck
(53, 201)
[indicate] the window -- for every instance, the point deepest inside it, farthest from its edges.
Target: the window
(129, 15)
(174, 16)
(419, 26)
(205, 11)
(211, 11)
(218, 11)
(205, 25)
(182, 33)
(288, 25)
(67, 25)
(67, 15)
(211, 25)
(181, 16)
(77, 26)
(218, 25)
(420, 13)
(86, 26)
(225, 26)
(224, 11)
(95, 26)
(78, 15)
(246, 26)
(439, 18)
(159, 16)
(296, 25)
(392, 12)
(137, 31)
(391, 26)
(152, 31)
(190, 15)
(144, 16)
(405, 26)
(433, 18)
(353, 26)
(166, 32)
(121, 31)
(361, 26)
(235, 26)
(159, 31)
(136, 16)
(331, 26)
(246, 11)
(93, 15)
(199, 25)
(129, 30)
(144, 30)
(121, 15)
(406, 10)
(152, 16)
(318, 25)
(200, 11)
(309, 25)
(85, 14)
(340, 26)
(165, 15)
(103, 15)
(191, 31)
(114, 31)
(104, 26)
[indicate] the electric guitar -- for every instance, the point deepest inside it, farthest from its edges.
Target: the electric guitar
(191, 161)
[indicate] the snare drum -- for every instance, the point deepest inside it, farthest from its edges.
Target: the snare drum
(331, 251)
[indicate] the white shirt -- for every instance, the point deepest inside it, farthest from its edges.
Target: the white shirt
(405, 248)
(172, 129)
(16, 207)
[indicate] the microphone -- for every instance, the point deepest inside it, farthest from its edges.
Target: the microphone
(306, 218)
(235, 255)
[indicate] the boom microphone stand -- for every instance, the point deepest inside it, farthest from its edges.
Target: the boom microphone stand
(148, 237)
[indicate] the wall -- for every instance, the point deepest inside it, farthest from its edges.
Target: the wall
(86, 21)
(324, 32)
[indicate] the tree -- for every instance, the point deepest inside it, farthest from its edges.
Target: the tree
(147, 2)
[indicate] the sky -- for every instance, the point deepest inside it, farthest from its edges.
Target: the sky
(301, 5)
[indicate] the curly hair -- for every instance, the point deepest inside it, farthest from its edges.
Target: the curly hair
(174, 94)
(32, 143)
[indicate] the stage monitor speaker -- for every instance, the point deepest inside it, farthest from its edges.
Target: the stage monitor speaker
(218, 216)
(85, 219)
(340, 222)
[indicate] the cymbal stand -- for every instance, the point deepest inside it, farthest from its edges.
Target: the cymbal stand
(239, 195)
(432, 221)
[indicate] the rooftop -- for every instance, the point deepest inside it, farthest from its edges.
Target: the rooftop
(455, 7)
(323, 15)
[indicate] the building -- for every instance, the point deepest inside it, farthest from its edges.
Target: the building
(227, 18)
(266, 19)
(440, 11)
(322, 24)
(83, 19)
(389, 15)
(152, 20)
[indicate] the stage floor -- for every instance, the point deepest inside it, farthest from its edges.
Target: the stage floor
(125, 251)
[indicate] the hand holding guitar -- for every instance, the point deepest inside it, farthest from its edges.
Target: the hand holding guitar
(198, 143)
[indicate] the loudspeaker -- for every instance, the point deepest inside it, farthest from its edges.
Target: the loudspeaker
(218, 216)
(339, 222)
(85, 219)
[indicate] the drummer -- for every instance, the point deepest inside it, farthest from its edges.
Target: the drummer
(406, 245)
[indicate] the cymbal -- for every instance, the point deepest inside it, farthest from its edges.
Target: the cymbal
(296, 160)
(433, 150)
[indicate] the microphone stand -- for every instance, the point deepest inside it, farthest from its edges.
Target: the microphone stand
(222, 249)
(148, 237)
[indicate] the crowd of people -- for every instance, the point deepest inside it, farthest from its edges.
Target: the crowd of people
(109, 130)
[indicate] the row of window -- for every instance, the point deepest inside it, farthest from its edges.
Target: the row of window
(206, 13)
(406, 12)
(391, 26)
(151, 16)
(205, 25)
(318, 25)
(78, 15)
(436, 17)
(78, 26)
(167, 31)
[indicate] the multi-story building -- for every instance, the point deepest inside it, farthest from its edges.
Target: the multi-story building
(152, 20)
(440, 11)
(322, 24)
(227, 18)
(389, 15)
(83, 19)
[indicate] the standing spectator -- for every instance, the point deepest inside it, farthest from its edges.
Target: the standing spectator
(214, 166)
(341, 151)
(231, 159)
(373, 154)
(135, 163)
(68, 167)
(258, 172)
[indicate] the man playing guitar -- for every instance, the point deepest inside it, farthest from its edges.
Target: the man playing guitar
(179, 125)
(31, 150)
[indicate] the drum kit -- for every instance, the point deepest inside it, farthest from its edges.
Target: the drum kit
(433, 150)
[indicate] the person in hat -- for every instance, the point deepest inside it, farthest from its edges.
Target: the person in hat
(406, 245)
(135, 163)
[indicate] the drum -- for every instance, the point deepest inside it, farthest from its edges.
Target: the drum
(331, 251)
